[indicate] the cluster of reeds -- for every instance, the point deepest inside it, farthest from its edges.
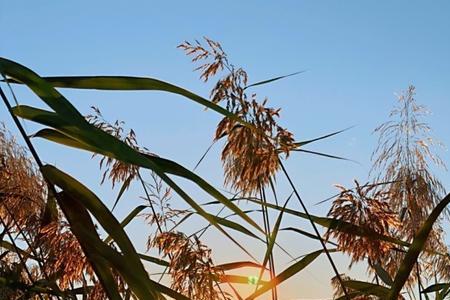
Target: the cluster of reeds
(399, 201)
(52, 248)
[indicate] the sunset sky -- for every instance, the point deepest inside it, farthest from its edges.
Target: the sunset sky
(356, 55)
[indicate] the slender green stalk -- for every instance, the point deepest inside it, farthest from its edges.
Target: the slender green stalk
(268, 232)
(333, 265)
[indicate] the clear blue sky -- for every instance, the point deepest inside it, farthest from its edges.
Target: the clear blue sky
(357, 55)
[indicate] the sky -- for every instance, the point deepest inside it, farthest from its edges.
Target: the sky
(356, 56)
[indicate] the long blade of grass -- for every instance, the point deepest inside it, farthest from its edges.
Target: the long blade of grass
(303, 143)
(141, 287)
(238, 279)
(307, 234)
(322, 154)
(41, 88)
(122, 190)
(122, 83)
(154, 260)
(80, 224)
(272, 240)
(96, 138)
(286, 274)
(233, 225)
(417, 246)
(238, 265)
(383, 274)
(127, 219)
(435, 287)
(272, 79)
(95, 206)
(146, 161)
(367, 288)
(338, 225)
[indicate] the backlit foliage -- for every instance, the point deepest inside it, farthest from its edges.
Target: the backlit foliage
(368, 208)
(251, 154)
(404, 156)
(116, 170)
(401, 199)
(191, 267)
(160, 197)
(55, 252)
(22, 190)
(46, 256)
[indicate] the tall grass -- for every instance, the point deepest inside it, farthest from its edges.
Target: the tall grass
(63, 255)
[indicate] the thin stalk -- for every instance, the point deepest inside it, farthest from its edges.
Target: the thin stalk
(149, 201)
(27, 141)
(268, 233)
(202, 231)
(333, 265)
(22, 261)
(21, 130)
(147, 194)
(418, 280)
(30, 246)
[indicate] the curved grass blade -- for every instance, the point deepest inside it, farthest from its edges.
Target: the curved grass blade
(307, 234)
(272, 79)
(367, 288)
(41, 88)
(383, 274)
(122, 190)
(233, 225)
(338, 225)
(303, 143)
(88, 199)
(84, 229)
(322, 154)
(128, 83)
(416, 247)
(286, 274)
(128, 219)
(140, 286)
(238, 279)
(146, 161)
(154, 260)
(238, 265)
(92, 136)
(436, 287)
(271, 240)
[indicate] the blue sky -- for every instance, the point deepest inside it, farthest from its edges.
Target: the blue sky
(356, 54)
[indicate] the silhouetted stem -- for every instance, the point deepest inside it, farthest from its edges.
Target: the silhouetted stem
(333, 265)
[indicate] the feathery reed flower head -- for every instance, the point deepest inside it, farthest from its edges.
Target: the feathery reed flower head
(191, 267)
(22, 189)
(116, 170)
(251, 153)
(366, 208)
